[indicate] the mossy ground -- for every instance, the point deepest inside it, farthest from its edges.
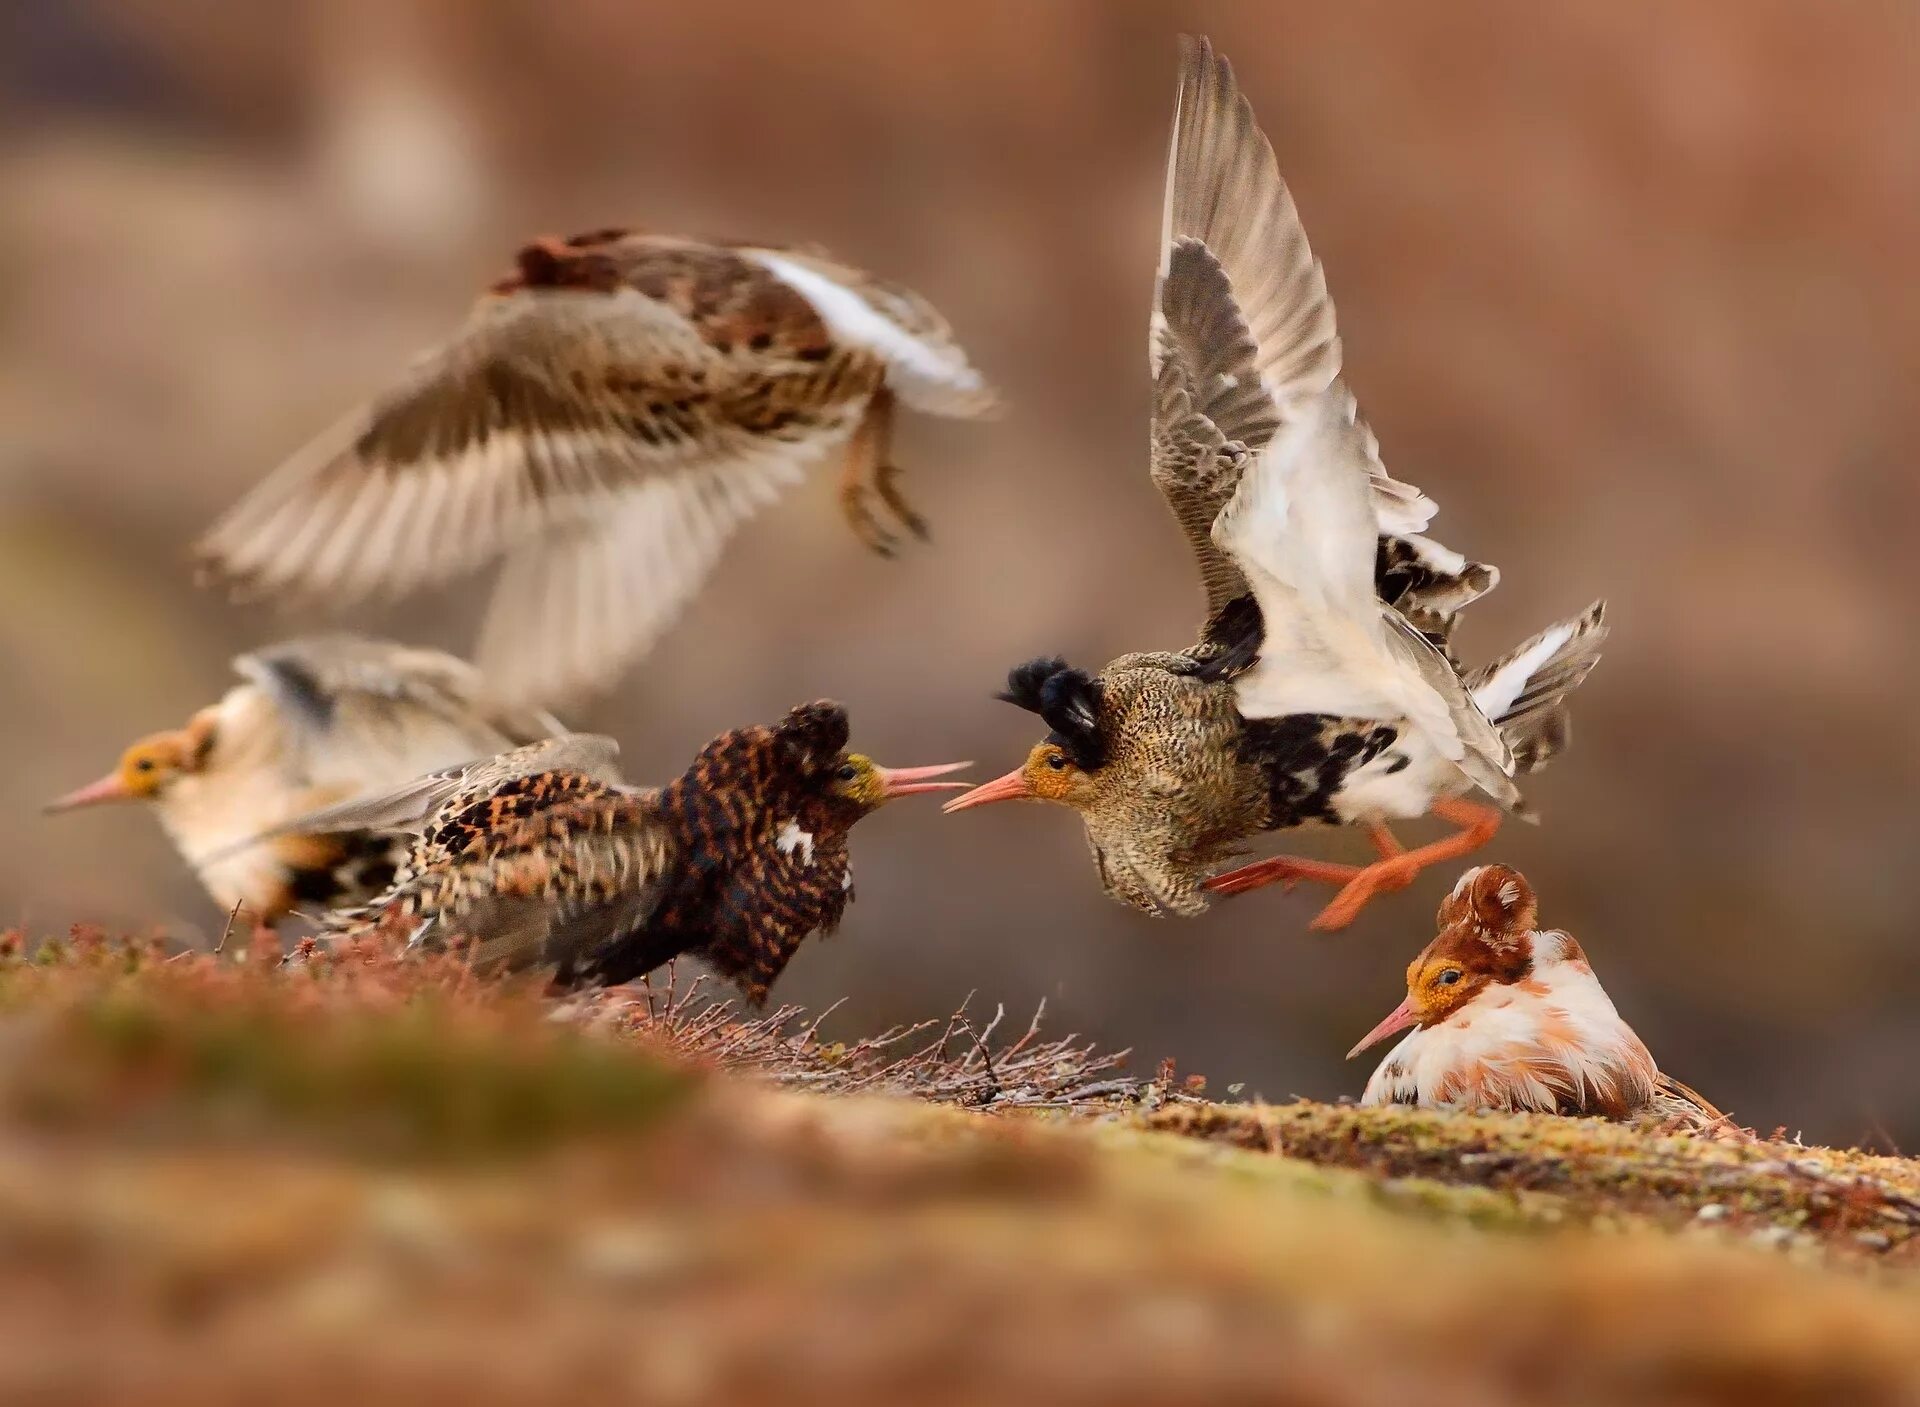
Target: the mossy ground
(232, 1181)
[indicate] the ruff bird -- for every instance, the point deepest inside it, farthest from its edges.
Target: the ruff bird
(1322, 689)
(313, 722)
(1509, 1016)
(544, 858)
(606, 418)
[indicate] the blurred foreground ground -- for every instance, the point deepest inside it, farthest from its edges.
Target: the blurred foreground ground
(223, 1182)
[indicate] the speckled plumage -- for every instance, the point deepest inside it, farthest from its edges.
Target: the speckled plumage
(737, 861)
(610, 413)
(1322, 688)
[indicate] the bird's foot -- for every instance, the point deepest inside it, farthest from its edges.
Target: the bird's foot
(1381, 877)
(1398, 867)
(856, 506)
(1283, 870)
(886, 483)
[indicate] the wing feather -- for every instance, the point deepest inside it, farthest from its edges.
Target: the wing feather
(546, 406)
(1224, 190)
(1301, 527)
(571, 611)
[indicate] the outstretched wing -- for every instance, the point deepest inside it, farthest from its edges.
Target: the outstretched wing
(1210, 410)
(358, 712)
(621, 409)
(1243, 333)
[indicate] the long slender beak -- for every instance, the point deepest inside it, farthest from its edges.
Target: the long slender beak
(108, 788)
(1012, 787)
(911, 781)
(1398, 1019)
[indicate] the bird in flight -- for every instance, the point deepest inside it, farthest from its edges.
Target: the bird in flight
(1323, 688)
(609, 414)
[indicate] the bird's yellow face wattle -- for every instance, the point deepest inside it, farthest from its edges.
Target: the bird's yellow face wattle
(867, 785)
(1450, 972)
(1438, 986)
(146, 769)
(1048, 774)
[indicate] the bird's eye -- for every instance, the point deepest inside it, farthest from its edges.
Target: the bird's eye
(1056, 761)
(1449, 977)
(846, 772)
(145, 764)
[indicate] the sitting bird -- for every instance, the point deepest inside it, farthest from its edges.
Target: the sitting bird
(543, 857)
(1322, 688)
(1511, 1017)
(313, 722)
(606, 418)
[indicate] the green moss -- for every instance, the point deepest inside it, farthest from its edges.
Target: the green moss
(1576, 1170)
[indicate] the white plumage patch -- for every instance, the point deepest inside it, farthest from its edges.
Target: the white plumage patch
(793, 840)
(918, 369)
(1509, 681)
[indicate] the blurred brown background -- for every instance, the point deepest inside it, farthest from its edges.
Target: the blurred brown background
(1633, 290)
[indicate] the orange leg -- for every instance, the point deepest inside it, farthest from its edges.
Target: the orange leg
(1477, 826)
(1284, 870)
(1395, 869)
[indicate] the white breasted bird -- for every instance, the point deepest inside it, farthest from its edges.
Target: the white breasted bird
(313, 722)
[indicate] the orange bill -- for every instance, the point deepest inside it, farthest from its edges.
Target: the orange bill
(1012, 787)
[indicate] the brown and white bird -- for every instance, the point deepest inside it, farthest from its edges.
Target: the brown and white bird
(544, 858)
(313, 721)
(607, 417)
(1509, 1016)
(1322, 689)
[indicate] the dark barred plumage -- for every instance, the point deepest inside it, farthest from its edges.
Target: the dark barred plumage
(737, 861)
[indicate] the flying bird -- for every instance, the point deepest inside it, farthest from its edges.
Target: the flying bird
(313, 722)
(1508, 1016)
(544, 858)
(1323, 688)
(606, 418)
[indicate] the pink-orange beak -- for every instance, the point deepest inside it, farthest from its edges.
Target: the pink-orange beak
(1012, 787)
(108, 788)
(1398, 1019)
(911, 781)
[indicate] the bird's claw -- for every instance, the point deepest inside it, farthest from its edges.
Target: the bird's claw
(855, 505)
(886, 483)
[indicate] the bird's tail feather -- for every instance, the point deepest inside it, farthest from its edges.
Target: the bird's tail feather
(1525, 691)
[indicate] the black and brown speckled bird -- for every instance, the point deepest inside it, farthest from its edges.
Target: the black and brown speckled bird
(314, 721)
(607, 417)
(1322, 688)
(544, 858)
